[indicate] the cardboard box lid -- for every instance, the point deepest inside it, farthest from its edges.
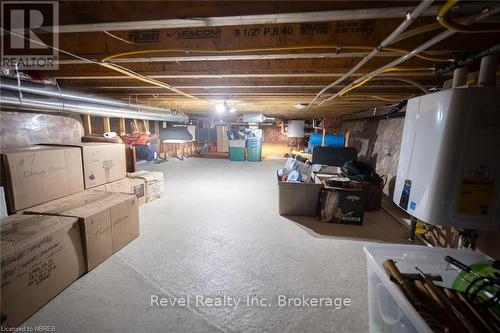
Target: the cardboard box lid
(83, 204)
(18, 230)
(28, 149)
(148, 176)
(121, 185)
(82, 144)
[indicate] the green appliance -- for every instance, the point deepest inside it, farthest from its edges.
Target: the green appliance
(237, 150)
(254, 149)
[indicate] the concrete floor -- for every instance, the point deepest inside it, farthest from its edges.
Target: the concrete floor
(217, 232)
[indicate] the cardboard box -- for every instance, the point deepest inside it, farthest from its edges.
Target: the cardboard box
(102, 162)
(41, 255)
(37, 174)
(135, 186)
(109, 220)
(342, 205)
(119, 186)
(299, 199)
(154, 183)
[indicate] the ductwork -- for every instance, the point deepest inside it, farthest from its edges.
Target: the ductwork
(44, 98)
(257, 118)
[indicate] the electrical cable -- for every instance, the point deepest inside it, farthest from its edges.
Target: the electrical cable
(441, 18)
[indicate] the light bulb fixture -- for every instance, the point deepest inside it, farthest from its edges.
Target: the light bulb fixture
(223, 108)
(220, 108)
(300, 106)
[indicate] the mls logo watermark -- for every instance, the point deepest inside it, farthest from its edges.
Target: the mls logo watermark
(28, 28)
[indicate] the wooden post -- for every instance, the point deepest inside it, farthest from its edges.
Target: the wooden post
(157, 127)
(145, 124)
(106, 124)
(347, 138)
(136, 126)
(123, 128)
(87, 123)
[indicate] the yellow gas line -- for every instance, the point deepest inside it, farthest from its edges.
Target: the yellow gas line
(150, 81)
(271, 49)
(393, 69)
(441, 18)
(105, 61)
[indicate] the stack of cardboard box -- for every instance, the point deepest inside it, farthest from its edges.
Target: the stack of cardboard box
(73, 207)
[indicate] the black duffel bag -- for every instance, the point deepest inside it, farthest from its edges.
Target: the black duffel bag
(360, 171)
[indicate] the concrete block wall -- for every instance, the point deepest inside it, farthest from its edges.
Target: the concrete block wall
(378, 144)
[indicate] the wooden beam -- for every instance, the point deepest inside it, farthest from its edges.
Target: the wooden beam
(123, 128)
(106, 124)
(279, 18)
(87, 123)
(157, 127)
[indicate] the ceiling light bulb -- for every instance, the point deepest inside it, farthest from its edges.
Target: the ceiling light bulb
(220, 108)
(300, 106)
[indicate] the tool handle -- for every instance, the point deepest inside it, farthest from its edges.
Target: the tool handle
(393, 271)
(457, 263)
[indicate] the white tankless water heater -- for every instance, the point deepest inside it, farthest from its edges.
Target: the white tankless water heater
(449, 163)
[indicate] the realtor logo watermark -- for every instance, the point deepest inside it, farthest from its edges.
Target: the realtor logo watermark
(27, 28)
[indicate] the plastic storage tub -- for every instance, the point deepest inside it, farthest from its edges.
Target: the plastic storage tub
(237, 150)
(389, 310)
(254, 149)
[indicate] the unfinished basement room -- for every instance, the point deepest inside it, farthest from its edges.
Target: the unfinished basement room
(250, 166)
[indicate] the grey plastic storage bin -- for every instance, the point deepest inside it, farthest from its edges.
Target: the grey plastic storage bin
(300, 199)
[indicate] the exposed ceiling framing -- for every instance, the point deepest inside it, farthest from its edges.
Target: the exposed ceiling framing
(265, 79)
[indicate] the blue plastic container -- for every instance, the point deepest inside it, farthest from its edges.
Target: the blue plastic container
(331, 140)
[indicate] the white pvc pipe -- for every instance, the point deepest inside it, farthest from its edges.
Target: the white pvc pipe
(487, 71)
(410, 17)
(460, 77)
(411, 54)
